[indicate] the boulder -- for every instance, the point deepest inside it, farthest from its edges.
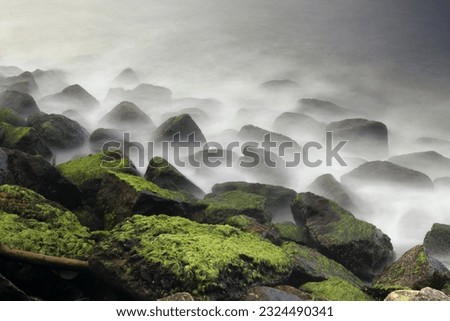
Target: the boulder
(183, 125)
(291, 232)
(266, 293)
(127, 77)
(197, 114)
(21, 103)
(100, 136)
(251, 225)
(58, 131)
(334, 289)
(10, 292)
(10, 71)
(163, 174)
(430, 163)
(127, 116)
(218, 208)
(257, 134)
(366, 138)
(414, 270)
(29, 222)
(152, 257)
(382, 173)
(11, 117)
(426, 294)
(50, 81)
(299, 125)
(72, 97)
(35, 173)
(437, 243)
(323, 110)
(76, 116)
(24, 83)
(359, 246)
(144, 95)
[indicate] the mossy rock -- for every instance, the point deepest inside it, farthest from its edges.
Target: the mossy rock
(30, 222)
(21, 103)
(100, 136)
(121, 195)
(11, 117)
(25, 139)
(291, 232)
(127, 116)
(414, 270)
(183, 125)
(163, 174)
(309, 265)
(221, 207)
(266, 293)
(335, 289)
(251, 225)
(278, 198)
(152, 257)
(437, 243)
(357, 245)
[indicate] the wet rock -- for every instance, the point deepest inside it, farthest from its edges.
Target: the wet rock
(127, 116)
(437, 243)
(10, 292)
(183, 125)
(21, 103)
(324, 110)
(100, 136)
(426, 294)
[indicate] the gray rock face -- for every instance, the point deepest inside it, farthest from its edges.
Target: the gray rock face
(127, 116)
(21, 103)
(437, 243)
(324, 110)
(299, 125)
(182, 125)
(431, 163)
(376, 173)
(366, 138)
(72, 97)
(257, 134)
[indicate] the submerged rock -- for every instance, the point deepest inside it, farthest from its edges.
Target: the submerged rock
(357, 245)
(152, 257)
(21, 103)
(182, 125)
(127, 116)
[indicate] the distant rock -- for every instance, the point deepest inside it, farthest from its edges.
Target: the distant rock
(359, 246)
(280, 86)
(431, 163)
(373, 174)
(37, 174)
(257, 134)
(426, 294)
(196, 113)
(145, 96)
(442, 183)
(324, 110)
(437, 243)
(11, 117)
(414, 270)
(127, 77)
(24, 83)
(72, 97)
(127, 116)
(183, 125)
(299, 125)
(58, 131)
(10, 71)
(434, 143)
(366, 138)
(208, 104)
(76, 116)
(21, 103)
(100, 136)
(163, 174)
(328, 187)
(50, 81)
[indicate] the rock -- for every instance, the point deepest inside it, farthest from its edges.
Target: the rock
(144, 95)
(197, 114)
(430, 163)
(334, 289)
(152, 257)
(280, 86)
(204, 104)
(414, 270)
(183, 125)
(265, 293)
(9, 116)
(357, 245)
(433, 143)
(10, 71)
(292, 233)
(221, 207)
(76, 116)
(289, 289)
(328, 187)
(127, 77)
(50, 81)
(437, 243)
(163, 174)
(21, 103)
(426, 294)
(257, 134)
(29, 222)
(100, 136)
(324, 110)
(251, 225)
(182, 296)
(58, 131)
(25, 139)
(72, 97)
(37, 174)
(10, 292)
(366, 138)
(278, 198)
(23, 83)
(442, 183)
(299, 125)
(128, 117)
(376, 173)
(309, 266)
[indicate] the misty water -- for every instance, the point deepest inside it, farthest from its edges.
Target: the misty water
(386, 60)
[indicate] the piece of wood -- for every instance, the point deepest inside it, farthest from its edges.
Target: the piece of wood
(55, 262)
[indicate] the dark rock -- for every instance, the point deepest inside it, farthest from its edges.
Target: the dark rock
(21, 103)
(163, 174)
(197, 114)
(183, 125)
(58, 131)
(100, 136)
(299, 125)
(182, 296)
(76, 116)
(357, 245)
(278, 198)
(324, 110)
(257, 134)
(426, 294)
(11, 117)
(290, 232)
(328, 187)
(289, 289)
(437, 243)
(251, 225)
(127, 116)
(414, 270)
(366, 138)
(373, 174)
(35, 173)
(265, 293)
(72, 97)
(156, 256)
(430, 163)
(10, 292)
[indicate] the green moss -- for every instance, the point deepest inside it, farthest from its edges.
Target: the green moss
(199, 256)
(9, 116)
(292, 232)
(93, 167)
(335, 289)
(13, 135)
(223, 206)
(30, 222)
(241, 222)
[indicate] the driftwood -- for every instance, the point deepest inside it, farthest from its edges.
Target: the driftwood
(59, 263)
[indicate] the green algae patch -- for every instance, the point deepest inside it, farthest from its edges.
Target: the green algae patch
(93, 167)
(161, 255)
(221, 207)
(30, 222)
(335, 289)
(292, 232)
